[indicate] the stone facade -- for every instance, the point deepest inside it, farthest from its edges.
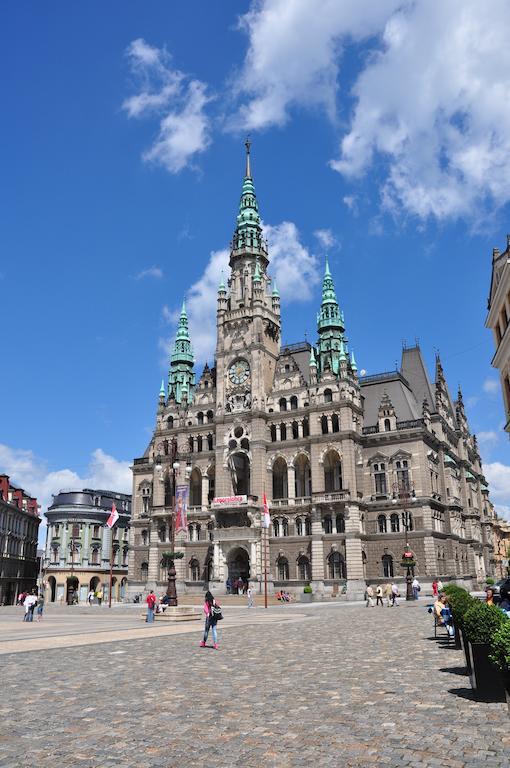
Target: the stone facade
(498, 319)
(79, 545)
(19, 525)
(348, 463)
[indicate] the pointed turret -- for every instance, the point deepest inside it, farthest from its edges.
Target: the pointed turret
(248, 232)
(331, 347)
(181, 376)
(313, 366)
(162, 392)
(354, 366)
(222, 295)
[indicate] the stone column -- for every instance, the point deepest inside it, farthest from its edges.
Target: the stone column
(300, 428)
(291, 483)
(278, 433)
(317, 552)
(205, 490)
(216, 560)
(356, 584)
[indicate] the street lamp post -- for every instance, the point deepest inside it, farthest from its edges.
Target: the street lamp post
(401, 493)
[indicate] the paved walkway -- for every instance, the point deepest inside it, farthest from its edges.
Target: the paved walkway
(301, 686)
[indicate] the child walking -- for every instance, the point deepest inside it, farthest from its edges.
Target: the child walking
(212, 611)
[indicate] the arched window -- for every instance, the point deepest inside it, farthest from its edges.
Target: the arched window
(293, 403)
(299, 526)
(200, 442)
(295, 430)
(94, 556)
(328, 396)
(324, 425)
(276, 527)
(283, 404)
(144, 572)
(327, 524)
(303, 481)
(125, 556)
(410, 521)
(283, 568)
(387, 425)
(306, 427)
(210, 531)
(170, 422)
(285, 527)
(335, 424)
(211, 473)
(332, 472)
(394, 523)
(191, 532)
(336, 566)
(54, 555)
(210, 417)
(304, 569)
(162, 532)
(194, 569)
(200, 418)
(283, 432)
(272, 429)
(387, 563)
(340, 524)
(195, 488)
(381, 523)
(239, 465)
(280, 486)
(145, 538)
(190, 443)
(210, 443)
(308, 526)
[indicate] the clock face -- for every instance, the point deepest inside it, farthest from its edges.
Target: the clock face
(239, 372)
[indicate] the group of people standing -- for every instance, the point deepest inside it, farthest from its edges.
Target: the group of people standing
(388, 592)
(30, 601)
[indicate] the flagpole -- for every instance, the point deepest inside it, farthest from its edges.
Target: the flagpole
(111, 569)
(265, 567)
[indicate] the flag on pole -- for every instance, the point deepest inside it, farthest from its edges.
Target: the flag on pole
(181, 508)
(114, 516)
(266, 519)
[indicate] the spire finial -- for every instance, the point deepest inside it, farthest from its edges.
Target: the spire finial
(162, 392)
(247, 144)
(327, 271)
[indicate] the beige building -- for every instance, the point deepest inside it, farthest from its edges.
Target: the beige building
(501, 548)
(498, 319)
(353, 467)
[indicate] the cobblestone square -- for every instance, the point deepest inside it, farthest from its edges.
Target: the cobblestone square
(320, 685)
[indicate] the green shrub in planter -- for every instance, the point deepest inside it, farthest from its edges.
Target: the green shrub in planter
(489, 581)
(307, 590)
(452, 589)
(460, 602)
(500, 647)
(482, 621)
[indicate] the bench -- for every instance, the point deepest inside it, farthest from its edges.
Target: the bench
(438, 623)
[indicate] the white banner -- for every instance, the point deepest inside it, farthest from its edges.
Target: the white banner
(227, 501)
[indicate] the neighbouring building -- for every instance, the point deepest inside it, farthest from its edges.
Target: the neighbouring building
(79, 546)
(501, 547)
(353, 467)
(498, 319)
(19, 526)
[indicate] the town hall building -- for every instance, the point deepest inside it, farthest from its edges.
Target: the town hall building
(353, 467)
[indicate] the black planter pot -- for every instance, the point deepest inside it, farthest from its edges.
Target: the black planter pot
(485, 678)
(505, 677)
(464, 644)
(458, 643)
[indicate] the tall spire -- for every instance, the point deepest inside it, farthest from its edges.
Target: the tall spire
(331, 348)
(248, 233)
(181, 377)
(247, 144)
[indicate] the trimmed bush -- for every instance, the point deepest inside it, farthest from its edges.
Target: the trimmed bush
(307, 590)
(489, 581)
(451, 589)
(460, 602)
(482, 621)
(500, 647)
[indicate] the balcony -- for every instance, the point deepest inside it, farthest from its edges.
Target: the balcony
(299, 501)
(329, 497)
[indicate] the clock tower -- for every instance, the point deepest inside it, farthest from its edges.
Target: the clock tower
(248, 316)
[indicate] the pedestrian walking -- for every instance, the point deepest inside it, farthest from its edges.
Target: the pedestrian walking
(90, 597)
(439, 586)
(416, 588)
(388, 594)
(212, 611)
(249, 594)
(99, 595)
(151, 602)
(29, 603)
(435, 590)
(369, 596)
(394, 594)
(40, 606)
(379, 596)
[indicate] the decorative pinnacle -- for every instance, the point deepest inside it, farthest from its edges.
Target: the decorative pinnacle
(353, 363)
(162, 392)
(327, 270)
(342, 355)
(257, 277)
(247, 144)
(221, 287)
(276, 292)
(313, 361)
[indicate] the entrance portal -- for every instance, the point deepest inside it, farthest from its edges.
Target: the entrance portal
(238, 565)
(72, 590)
(52, 584)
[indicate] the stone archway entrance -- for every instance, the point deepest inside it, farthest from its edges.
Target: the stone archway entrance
(72, 586)
(238, 563)
(52, 584)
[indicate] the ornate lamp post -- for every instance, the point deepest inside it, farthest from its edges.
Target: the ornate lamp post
(168, 559)
(401, 493)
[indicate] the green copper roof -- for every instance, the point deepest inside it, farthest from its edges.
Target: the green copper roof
(162, 392)
(353, 362)
(248, 233)
(313, 361)
(257, 275)
(221, 287)
(181, 377)
(276, 292)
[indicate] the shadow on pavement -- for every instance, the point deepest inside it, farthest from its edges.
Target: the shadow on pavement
(455, 670)
(463, 693)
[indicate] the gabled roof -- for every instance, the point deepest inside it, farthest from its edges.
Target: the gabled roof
(413, 369)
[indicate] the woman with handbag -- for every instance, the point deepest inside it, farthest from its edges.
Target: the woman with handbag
(212, 611)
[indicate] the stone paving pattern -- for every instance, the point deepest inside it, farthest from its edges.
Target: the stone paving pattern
(340, 686)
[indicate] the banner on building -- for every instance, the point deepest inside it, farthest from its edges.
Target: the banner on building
(181, 508)
(229, 501)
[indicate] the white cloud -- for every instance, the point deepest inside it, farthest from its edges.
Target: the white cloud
(434, 106)
(491, 386)
(294, 53)
(498, 475)
(292, 266)
(351, 203)
(31, 473)
(156, 272)
(487, 438)
(326, 238)
(177, 100)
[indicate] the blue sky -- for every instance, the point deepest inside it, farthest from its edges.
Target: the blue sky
(380, 136)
